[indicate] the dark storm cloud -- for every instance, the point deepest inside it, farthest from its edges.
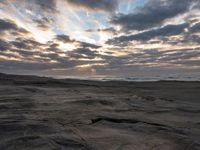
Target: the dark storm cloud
(4, 45)
(8, 55)
(184, 39)
(110, 30)
(45, 5)
(167, 56)
(165, 31)
(6, 25)
(85, 53)
(44, 23)
(154, 56)
(64, 38)
(52, 56)
(89, 45)
(10, 26)
(27, 49)
(26, 54)
(13, 64)
(152, 14)
(23, 43)
(100, 5)
(49, 6)
(96, 5)
(20, 32)
(195, 28)
(191, 39)
(63, 63)
(24, 49)
(68, 39)
(53, 47)
(55, 57)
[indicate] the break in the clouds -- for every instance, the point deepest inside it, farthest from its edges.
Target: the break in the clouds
(104, 37)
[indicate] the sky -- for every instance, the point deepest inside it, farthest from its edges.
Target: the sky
(127, 38)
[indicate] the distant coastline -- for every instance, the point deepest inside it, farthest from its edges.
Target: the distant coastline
(109, 78)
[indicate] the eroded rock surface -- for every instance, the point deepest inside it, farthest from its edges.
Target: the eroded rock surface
(47, 114)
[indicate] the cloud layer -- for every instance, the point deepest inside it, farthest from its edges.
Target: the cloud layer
(105, 37)
(154, 13)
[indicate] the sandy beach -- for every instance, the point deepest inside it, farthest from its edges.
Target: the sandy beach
(49, 114)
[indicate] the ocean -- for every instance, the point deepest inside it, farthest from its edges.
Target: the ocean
(136, 79)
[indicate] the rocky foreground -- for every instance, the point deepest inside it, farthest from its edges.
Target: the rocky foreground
(48, 114)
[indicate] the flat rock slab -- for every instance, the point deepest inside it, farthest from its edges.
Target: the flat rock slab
(47, 114)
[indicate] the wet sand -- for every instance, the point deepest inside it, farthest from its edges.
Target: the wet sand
(48, 114)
